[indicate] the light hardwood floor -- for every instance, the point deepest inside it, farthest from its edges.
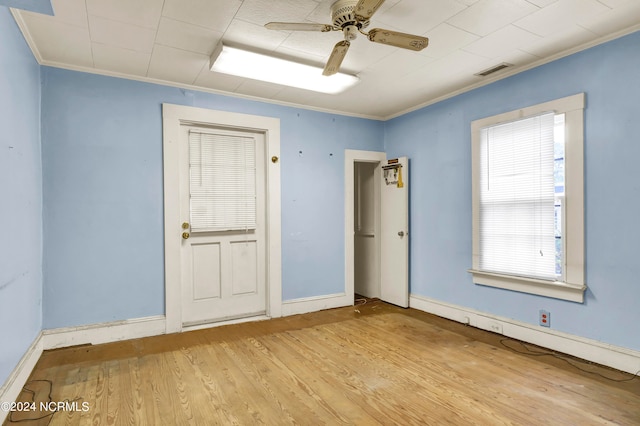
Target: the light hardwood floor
(369, 364)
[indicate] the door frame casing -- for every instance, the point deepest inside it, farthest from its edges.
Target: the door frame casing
(173, 117)
(351, 157)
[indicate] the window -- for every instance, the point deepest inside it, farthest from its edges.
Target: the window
(528, 220)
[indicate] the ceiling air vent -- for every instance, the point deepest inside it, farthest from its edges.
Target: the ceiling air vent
(493, 69)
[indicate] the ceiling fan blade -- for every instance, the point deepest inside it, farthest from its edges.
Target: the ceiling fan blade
(366, 8)
(394, 38)
(298, 26)
(336, 58)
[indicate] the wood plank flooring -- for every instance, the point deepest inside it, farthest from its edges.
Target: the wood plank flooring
(367, 365)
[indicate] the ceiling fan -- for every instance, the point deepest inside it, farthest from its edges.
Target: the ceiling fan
(351, 17)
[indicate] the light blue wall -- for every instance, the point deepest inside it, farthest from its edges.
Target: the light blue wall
(103, 205)
(437, 140)
(20, 196)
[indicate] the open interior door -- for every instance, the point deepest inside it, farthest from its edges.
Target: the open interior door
(394, 232)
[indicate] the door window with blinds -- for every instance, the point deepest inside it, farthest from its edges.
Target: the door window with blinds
(520, 200)
(222, 181)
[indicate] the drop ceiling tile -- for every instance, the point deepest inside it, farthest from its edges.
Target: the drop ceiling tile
(618, 3)
(556, 17)
(392, 79)
(218, 81)
(185, 36)
(144, 13)
(459, 63)
(487, 16)
(120, 60)
(445, 39)
(399, 94)
(212, 14)
(314, 43)
(501, 42)
(251, 35)
(262, 11)
(171, 64)
(73, 12)
(59, 42)
(322, 13)
(399, 63)
(572, 35)
(260, 89)
(515, 57)
(363, 54)
(623, 16)
(542, 3)
(355, 99)
(296, 96)
(417, 16)
(121, 34)
(448, 85)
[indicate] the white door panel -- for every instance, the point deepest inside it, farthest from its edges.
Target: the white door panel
(206, 266)
(223, 272)
(394, 235)
(244, 268)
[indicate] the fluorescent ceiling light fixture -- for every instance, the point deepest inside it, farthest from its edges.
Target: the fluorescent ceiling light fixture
(242, 63)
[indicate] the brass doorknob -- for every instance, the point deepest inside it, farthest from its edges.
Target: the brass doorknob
(185, 225)
(185, 235)
(401, 234)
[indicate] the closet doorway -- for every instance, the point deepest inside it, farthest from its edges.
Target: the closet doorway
(366, 232)
(377, 226)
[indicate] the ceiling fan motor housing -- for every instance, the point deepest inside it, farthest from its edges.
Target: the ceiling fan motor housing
(343, 15)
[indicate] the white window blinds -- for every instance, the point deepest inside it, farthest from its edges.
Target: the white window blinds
(222, 172)
(517, 198)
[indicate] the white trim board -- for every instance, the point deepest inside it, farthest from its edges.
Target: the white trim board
(107, 332)
(617, 357)
(316, 303)
(18, 378)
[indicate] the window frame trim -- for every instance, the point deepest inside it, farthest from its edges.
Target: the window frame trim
(573, 287)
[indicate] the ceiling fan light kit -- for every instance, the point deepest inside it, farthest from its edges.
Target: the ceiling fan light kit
(352, 17)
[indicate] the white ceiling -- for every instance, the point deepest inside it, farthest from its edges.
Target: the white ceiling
(171, 41)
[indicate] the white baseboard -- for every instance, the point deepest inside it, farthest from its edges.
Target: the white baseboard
(103, 333)
(13, 386)
(592, 350)
(316, 303)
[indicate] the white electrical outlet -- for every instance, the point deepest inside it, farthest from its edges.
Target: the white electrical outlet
(545, 318)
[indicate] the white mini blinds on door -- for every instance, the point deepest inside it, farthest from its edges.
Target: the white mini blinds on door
(517, 198)
(222, 184)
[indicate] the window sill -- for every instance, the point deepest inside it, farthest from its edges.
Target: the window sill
(556, 290)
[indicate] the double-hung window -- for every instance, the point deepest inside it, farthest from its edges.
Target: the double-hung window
(528, 220)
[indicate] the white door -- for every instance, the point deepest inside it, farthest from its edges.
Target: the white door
(394, 232)
(222, 211)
